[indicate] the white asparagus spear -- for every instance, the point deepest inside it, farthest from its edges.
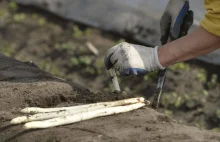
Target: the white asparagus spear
(81, 116)
(40, 116)
(113, 103)
(49, 115)
(114, 80)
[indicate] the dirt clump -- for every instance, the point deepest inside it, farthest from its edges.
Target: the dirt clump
(144, 124)
(57, 47)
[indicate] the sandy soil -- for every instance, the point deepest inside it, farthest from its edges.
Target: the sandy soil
(42, 89)
(57, 46)
(141, 125)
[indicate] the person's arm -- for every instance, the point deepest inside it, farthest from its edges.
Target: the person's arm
(195, 44)
(202, 41)
(131, 59)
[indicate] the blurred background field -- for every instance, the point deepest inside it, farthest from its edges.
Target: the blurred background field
(61, 47)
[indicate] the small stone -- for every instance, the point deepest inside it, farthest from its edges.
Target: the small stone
(148, 129)
(15, 89)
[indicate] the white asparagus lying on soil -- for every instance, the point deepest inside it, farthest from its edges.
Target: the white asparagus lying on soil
(49, 115)
(81, 116)
(54, 114)
(103, 104)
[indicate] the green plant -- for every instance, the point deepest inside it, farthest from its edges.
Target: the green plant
(90, 70)
(51, 68)
(180, 66)
(217, 129)
(12, 6)
(99, 65)
(120, 41)
(179, 101)
(81, 49)
(66, 46)
(218, 113)
(213, 82)
(74, 61)
(19, 17)
(42, 21)
(85, 60)
(1, 13)
(77, 32)
(34, 15)
(201, 76)
(150, 76)
(7, 50)
(168, 112)
(205, 93)
(88, 31)
(168, 99)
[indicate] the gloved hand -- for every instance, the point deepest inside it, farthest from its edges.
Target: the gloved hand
(131, 59)
(176, 20)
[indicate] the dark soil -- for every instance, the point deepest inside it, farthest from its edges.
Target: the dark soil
(191, 92)
(144, 124)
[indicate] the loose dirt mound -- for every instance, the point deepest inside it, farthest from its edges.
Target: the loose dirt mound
(141, 125)
(191, 92)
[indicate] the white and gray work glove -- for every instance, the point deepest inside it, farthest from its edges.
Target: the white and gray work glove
(176, 20)
(131, 59)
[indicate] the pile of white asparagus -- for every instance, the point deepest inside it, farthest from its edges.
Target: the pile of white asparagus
(50, 117)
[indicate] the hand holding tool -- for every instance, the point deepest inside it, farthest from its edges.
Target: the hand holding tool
(180, 28)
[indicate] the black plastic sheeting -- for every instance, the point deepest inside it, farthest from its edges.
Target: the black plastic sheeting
(134, 19)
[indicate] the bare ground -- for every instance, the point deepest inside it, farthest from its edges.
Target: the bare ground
(141, 125)
(41, 89)
(191, 92)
